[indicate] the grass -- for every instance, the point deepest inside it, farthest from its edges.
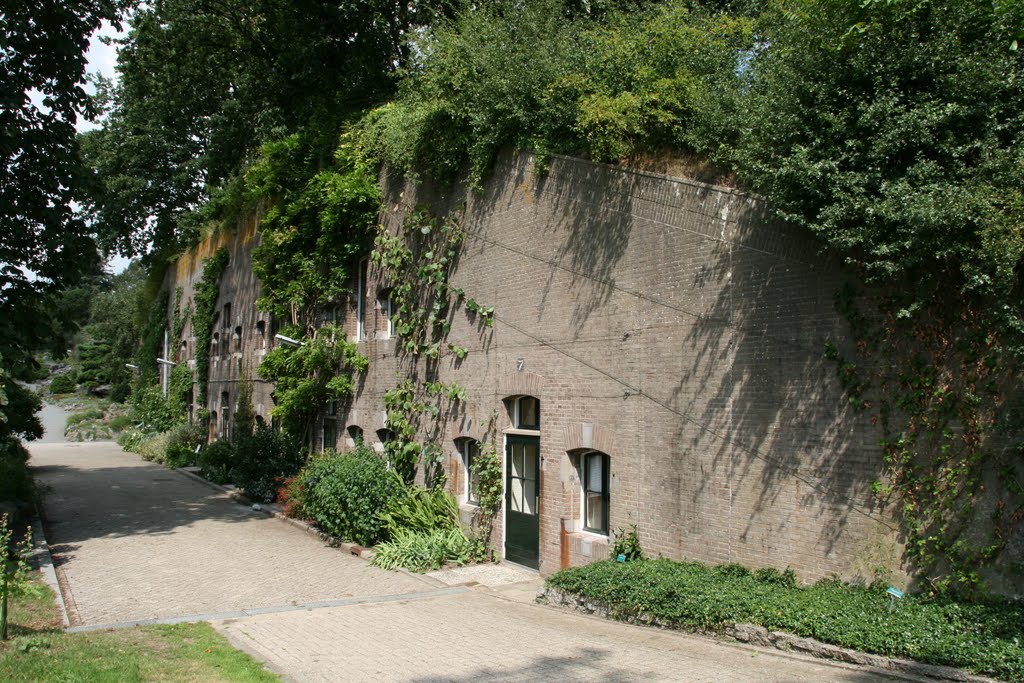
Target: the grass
(40, 651)
(982, 637)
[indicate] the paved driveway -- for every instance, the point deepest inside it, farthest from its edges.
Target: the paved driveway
(136, 542)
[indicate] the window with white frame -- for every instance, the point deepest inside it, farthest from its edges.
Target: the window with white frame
(361, 300)
(384, 303)
(469, 450)
(594, 480)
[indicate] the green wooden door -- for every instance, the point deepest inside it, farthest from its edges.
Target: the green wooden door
(522, 500)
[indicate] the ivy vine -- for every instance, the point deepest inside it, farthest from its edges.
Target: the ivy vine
(938, 380)
(492, 493)
(407, 405)
(418, 261)
(309, 376)
(205, 302)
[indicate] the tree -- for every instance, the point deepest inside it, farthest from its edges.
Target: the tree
(205, 82)
(44, 245)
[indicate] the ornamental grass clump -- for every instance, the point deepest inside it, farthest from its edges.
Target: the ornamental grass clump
(421, 551)
(982, 637)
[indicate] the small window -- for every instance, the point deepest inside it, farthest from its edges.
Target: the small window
(330, 434)
(332, 408)
(527, 413)
(386, 311)
(226, 320)
(261, 331)
(238, 339)
(595, 492)
(225, 415)
(469, 449)
(355, 436)
(215, 346)
(361, 300)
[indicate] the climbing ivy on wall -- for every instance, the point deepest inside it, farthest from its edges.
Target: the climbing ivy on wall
(417, 261)
(205, 301)
(319, 224)
(937, 386)
(152, 339)
(307, 377)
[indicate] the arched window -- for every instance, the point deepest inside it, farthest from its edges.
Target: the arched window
(355, 436)
(526, 413)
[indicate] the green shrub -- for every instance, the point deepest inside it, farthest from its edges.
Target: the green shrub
(627, 544)
(131, 439)
(265, 459)
(422, 551)
(15, 478)
(120, 423)
(346, 493)
(83, 415)
(215, 461)
(419, 510)
(63, 384)
(151, 408)
(182, 440)
(986, 638)
(154, 447)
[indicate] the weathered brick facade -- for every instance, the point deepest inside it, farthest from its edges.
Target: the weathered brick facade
(670, 325)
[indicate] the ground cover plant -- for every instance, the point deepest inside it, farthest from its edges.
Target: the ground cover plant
(985, 638)
(40, 651)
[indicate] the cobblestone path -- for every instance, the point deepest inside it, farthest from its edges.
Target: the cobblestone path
(134, 542)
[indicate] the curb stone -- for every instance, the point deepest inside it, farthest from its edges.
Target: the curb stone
(42, 560)
(753, 634)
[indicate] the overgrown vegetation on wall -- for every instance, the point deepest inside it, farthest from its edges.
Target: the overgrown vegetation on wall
(319, 224)
(891, 130)
(204, 300)
(307, 377)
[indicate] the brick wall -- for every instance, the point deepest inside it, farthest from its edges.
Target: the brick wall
(669, 324)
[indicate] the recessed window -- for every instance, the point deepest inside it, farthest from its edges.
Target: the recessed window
(361, 300)
(238, 339)
(330, 434)
(261, 331)
(225, 415)
(595, 492)
(226, 320)
(387, 326)
(469, 449)
(526, 414)
(215, 346)
(355, 436)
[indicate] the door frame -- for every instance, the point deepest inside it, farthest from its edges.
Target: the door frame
(507, 436)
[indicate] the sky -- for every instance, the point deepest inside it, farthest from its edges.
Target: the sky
(102, 59)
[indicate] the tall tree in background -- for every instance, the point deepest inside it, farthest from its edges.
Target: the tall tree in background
(204, 83)
(44, 245)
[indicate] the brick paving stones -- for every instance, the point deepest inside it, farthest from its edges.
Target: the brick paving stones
(135, 541)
